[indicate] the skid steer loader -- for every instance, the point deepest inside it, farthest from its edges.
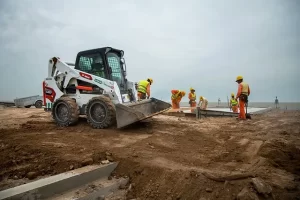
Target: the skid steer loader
(95, 86)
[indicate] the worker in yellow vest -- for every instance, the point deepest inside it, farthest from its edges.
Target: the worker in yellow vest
(176, 98)
(234, 103)
(203, 103)
(242, 95)
(144, 88)
(192, 98)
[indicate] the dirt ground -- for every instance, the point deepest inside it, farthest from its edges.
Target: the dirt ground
(166, 157)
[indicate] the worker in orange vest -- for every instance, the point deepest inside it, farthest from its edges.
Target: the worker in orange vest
(234, 103)
(192, 98)
(176, 98)
(144, 89)
(242, 95)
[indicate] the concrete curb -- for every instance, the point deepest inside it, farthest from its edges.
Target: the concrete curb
(48, 187)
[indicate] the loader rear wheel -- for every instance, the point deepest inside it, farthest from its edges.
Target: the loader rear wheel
(65, 111)
(100, 112)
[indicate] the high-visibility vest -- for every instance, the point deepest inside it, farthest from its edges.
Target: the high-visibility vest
(143, 86)
(175, 96)
(204, 100)
(245, 88)
(193, 96)
(233, 102)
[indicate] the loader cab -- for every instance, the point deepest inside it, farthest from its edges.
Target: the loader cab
(107, 63)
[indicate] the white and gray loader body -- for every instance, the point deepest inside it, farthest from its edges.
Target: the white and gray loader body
(95, 86)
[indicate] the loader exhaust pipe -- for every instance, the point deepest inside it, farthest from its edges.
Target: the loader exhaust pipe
(130, 113)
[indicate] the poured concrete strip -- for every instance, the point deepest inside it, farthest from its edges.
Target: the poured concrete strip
(226, 111)
(215, 112)
(48, 187)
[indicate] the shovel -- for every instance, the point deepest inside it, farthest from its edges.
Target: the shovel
(248, 116)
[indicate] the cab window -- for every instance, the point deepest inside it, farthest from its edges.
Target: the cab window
(92, 64)
(114, 63)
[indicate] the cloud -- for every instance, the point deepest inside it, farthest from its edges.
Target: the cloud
(179, 44)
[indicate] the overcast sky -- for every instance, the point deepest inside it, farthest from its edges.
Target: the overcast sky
(203, 44)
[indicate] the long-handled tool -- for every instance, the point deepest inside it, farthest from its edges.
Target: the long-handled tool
(248, 116)
(228, 104)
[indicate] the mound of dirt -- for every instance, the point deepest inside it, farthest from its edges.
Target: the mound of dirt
(27, 162)
(282, 154)
(149, 182)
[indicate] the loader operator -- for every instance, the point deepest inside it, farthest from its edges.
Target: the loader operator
(233, 103)
(203, 103)
(176, 98)
(98, 67)
(144, 88)
(192, 98)
(242, 95)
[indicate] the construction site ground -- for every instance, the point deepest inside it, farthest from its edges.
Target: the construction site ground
(166, 157)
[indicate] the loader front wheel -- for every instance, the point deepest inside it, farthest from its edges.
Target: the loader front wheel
(100, 112)
(65, 111)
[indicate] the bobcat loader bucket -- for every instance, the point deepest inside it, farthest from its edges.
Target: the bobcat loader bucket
(130, 113)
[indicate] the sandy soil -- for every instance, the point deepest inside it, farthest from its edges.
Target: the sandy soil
(166, 157)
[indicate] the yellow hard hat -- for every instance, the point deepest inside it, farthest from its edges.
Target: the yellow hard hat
(201, 97)
(183, 93)
(150, 80)
(238, 78)
(232, 94)
(192, 89)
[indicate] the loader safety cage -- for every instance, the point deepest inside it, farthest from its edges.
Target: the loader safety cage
(104, 62)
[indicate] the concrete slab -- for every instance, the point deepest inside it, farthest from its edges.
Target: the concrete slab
(213, 112)
(48, 187)
(250, 110)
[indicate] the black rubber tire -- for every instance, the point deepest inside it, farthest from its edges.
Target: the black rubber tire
(71, 109)
(100, 107)
(28, 106)
(38, 104)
